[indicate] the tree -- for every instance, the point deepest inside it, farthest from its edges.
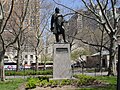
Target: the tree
(16, 23)
(77, 53)
(41, 8)
(109, 21)
(3, 45)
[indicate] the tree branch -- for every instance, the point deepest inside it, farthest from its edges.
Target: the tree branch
(88, 42)
(7, 17)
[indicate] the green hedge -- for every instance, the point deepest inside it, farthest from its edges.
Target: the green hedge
(28, 72)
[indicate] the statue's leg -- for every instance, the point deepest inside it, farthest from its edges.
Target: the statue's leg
(57, 37)
(63, 34)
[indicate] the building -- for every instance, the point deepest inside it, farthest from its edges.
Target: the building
(93, 61)
(27, 37)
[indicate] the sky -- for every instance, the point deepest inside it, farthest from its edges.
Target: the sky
(71, 3)
(77, 4)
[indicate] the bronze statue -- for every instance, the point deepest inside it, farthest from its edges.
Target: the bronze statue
(57, 26)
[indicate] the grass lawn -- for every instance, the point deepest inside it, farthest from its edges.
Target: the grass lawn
(100, 88)
(11, 84)
(112, 80)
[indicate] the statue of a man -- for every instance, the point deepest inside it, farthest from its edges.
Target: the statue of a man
(57, 27)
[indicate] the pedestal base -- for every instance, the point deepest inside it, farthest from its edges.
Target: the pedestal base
(62, 63)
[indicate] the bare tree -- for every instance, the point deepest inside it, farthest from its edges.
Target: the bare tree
(4, 46)
(17, 25)
(44, 9)
(100, 10)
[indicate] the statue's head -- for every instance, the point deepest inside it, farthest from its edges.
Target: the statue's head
(57, 10)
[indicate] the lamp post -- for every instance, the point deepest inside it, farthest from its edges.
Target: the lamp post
(118, 64)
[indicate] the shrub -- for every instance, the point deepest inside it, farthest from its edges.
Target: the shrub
(84, 80)
(44, 83)
(32, 83)
(43, 78)
(53, 83)
(65, 82)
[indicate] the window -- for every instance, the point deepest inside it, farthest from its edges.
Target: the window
(31, 62)
(31, 56)
(26, 56)
(26, 62)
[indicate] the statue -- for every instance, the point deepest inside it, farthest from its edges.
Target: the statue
(57, 26)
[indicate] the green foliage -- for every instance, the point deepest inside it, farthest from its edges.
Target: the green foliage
(32, 83)
(108, 79)
(65, 82)
(108, 87)
(112, 80)
(53, 83)
(11, 84)
(75, 54)
(84, 80)
(81, 80)
(41, 78)
(28, 72)
(44, 83)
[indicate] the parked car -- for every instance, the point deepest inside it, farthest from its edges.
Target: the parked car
(77, 64)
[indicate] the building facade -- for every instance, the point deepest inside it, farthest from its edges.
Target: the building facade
(30, 29)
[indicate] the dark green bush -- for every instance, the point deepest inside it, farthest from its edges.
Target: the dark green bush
(53, 83)
(44, 83)
(43, 78)
(65, 82)
(84, 80)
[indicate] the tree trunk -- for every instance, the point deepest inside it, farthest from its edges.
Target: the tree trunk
(110, 68)
(2, 72)
(18, 60)
(36, 57)
(112, 59)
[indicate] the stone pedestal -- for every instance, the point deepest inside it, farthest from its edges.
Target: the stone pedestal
(62, 62)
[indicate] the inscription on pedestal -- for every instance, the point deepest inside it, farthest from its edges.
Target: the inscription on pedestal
(61, 50)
